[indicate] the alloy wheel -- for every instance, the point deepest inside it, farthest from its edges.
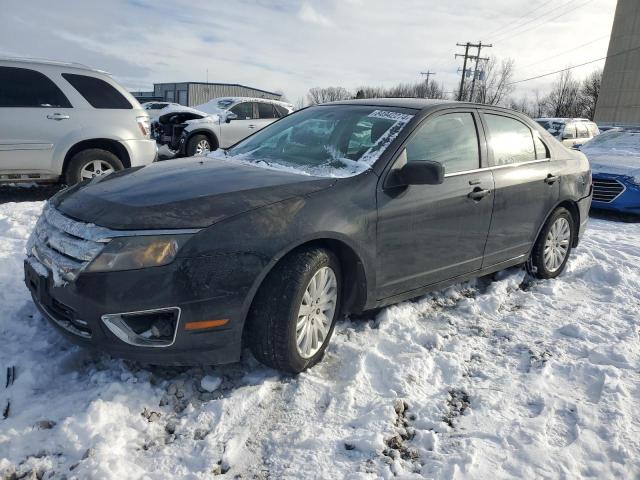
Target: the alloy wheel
(556, 245)
(316, 312)
(202, 148)
(95, 168)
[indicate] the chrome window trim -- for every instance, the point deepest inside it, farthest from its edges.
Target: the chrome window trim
(497, 167)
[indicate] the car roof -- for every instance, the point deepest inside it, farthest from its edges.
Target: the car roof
(416, 103)
(50, 63)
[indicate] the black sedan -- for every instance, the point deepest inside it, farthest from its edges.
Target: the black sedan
(334, 209)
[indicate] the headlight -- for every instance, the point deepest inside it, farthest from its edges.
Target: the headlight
(130, 253)
(636, 180)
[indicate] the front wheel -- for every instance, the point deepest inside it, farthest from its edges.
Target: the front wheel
(198, 145)
(294, 313)
(553, 246)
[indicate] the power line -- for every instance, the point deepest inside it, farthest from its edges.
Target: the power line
(516, 25)
(575, 66)
(566, 51)
(511, 24)
(468, 57)
(567, 12)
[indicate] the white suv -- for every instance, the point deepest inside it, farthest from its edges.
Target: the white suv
(67, 122)
(572, 132)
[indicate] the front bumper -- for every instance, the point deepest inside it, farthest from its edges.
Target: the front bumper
(626, 201)
(78, 309)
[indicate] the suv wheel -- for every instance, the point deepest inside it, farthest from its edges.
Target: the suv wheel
(90, 163)
(553, 246)
(294, 313)
(198, 145)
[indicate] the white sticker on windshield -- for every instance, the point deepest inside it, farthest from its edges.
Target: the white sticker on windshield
(396, 116)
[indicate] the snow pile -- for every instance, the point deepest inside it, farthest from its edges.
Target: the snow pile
(497, 378)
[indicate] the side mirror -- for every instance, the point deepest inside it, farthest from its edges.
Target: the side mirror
(422, 172)
(230, 116)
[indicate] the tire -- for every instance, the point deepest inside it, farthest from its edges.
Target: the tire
(274, 317)
(83, 163)
(196, 142)
(543, 267)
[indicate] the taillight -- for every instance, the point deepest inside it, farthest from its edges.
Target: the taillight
(145, 126)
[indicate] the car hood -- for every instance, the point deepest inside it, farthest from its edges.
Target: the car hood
(186, 193)
(614, 162)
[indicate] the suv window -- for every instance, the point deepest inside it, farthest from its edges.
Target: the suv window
(266, 110)
(97, 92)
(593, 129)
(243, 110)
(569, 132)
(511, 140)
(22, 87)
(581, 128)
(282, 112)
(450, 139)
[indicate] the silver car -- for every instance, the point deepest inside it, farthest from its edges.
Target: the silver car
(68, 122)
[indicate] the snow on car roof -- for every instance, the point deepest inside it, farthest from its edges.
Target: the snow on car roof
(213, 105)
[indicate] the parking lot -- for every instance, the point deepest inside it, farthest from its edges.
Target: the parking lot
(501, 377)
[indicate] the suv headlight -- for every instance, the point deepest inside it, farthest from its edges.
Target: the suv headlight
(130, 253)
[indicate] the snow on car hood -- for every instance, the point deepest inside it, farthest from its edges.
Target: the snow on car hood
(614, 162)
(185, 193)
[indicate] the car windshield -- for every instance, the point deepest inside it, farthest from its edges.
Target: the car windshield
(326, 141)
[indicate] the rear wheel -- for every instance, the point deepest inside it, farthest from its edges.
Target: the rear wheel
(294, 313)
(198, 145)
(93, 162)
(553, 246)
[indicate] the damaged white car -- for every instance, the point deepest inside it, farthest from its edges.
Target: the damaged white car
(219, 123)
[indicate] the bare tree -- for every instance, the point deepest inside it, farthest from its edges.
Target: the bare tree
(589, 92)
(520, 105)
(494, 85)
(563, 99)
(538, 105)
(327, 94)
(404, 90)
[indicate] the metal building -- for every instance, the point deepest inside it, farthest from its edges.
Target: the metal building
(196, 93)
(619, 99)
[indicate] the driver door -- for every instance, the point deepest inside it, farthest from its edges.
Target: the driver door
(236, 129)
(431, 233)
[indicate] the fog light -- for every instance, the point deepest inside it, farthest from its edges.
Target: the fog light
(149, 328)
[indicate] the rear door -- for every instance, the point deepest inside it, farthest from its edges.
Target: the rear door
(266, 114)
(241, 127)
(35, 115)
(526, 186)
(430, 233)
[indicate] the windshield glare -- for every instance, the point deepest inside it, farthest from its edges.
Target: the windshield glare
(327, 141)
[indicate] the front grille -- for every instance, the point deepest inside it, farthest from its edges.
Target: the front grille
(605, 190)
(65, 246)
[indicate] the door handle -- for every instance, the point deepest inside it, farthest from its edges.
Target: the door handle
(478, 193)
(57, 116)
(551, 179)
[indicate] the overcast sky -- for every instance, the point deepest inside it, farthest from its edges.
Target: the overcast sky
(292, 45)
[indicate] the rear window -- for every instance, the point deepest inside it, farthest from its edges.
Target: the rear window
(22, 87)
(97, 92)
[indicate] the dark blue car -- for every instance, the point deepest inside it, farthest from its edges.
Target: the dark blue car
(615, 163)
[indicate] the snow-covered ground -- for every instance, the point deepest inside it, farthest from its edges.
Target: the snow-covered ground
(497, 378)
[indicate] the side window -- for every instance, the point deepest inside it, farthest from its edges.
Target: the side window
(22, 87)
(97, 92)
(542, 151)
(581, 128)
(569, 132)
(511, 140)
(450, 139)
(593, 129)
(282, 112)
(243, 110)
(266, 110)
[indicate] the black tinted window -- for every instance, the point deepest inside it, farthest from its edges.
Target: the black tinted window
(510, 140)
(449, 139)
(243, 110)
(97, 92)
(21, 87)
(266, 110)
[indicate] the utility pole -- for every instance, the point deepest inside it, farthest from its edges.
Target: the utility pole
(467, 57)
(427, 74)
